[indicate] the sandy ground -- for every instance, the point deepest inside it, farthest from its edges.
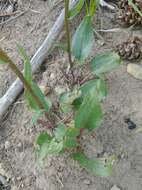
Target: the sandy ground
(17, 156)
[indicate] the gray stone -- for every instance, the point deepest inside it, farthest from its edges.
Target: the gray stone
(115, 188)
(86, 181)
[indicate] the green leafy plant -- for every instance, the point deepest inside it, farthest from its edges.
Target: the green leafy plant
(82, 103)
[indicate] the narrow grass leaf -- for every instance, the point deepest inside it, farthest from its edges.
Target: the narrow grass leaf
(45, 102)
(93, 5)
(27, 64)
(33, 104)
(28, 77)
(135, 7)
(76, 10)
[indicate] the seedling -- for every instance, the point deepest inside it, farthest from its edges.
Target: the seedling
(82, 103)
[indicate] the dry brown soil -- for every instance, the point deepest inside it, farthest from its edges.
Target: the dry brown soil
(17, 156)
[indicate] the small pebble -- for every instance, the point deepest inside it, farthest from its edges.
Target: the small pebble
(115, 188)
(9, 9)
(59, 90)
(2, 146)
(22, 185)
(86, 181)
(45, 89)
(19, 147)
(52, 76)
(7, 145)
(135, 70)
(19, 178)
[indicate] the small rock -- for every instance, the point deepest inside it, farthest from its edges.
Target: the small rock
(7, 145)
(45, 89)
(14, 188)
(52, 76)
(2, 146)
(122, 156)
(19, 145)
(86, 181)
(19, 178)
(59, 90)
(2, 171)
(22, 185)
(115, 188)
(9, 9)
(135, 70)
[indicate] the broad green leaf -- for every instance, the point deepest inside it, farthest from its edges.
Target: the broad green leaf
(70, 142)
(72, 132)
(54, 147)
(88, 87)
(77, 102)
(83, 39)
(89, 114)
(44, 137)
(99, 166)
(60, 132)
(65, 103)
(4, 58)
(76, 10)
(51, 147)
(27, 64)
(101, 89)
(105, 62)
(96, 87)
(66, 100)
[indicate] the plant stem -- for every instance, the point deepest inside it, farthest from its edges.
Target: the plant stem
(68, 32)
(87, 9)
(26, 84)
